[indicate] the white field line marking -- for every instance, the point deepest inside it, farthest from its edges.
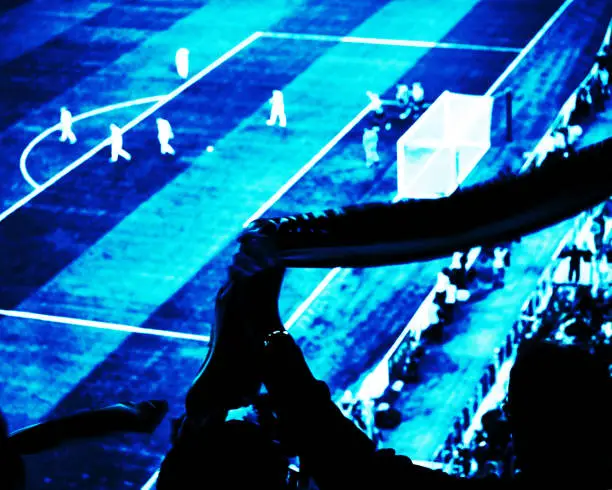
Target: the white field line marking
(495, 395)
(113, 107)
(308, 165)
(117, 327)
(134, 122)
(151, 481)
(301, 309)
(432, 465)
(527, 49)
(408, 43)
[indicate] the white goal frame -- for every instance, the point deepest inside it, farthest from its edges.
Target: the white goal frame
(443, 146)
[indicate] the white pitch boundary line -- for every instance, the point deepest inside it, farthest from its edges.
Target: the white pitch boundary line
(432, 465)
(301, 309)
(491, 400)
(116, 327)
(101, 110)
(526, 50)
(151, 481)
(407, 43)
(134, 122)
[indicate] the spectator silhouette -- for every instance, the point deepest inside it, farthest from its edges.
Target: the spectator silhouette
(558, 406)
(582, 110)
(232, 455)
(558, 411)
(598, 92)
(604, 57)
(12, 469)
(576, 256)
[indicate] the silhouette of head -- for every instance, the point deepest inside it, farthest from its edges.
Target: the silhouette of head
(234, 455)
(559, 408)
(12, 469)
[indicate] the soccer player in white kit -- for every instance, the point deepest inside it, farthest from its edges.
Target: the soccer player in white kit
(376, 105)
(164, 135)
(277, 112)
(117, 145)
(499, 266)
(417, 97)
(370, 143)
(66, 126)
(402, 94)
(181, 60)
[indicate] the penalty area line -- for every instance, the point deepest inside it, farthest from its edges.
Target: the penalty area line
(527, 49)
(406, 43)
(115, 327)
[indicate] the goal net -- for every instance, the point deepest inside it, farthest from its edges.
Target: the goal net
(443, 146)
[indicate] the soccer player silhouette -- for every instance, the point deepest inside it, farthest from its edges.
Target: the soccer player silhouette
(164, 135)
(117, 145)
(182, 62)
(277, 111)
(66, 126)
(370, 143)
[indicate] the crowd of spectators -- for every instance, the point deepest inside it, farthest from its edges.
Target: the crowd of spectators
(577, 314)
(591, 98)
(454, 286)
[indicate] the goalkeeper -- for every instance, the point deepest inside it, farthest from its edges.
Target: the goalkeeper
(558, 406)
(369, 141)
